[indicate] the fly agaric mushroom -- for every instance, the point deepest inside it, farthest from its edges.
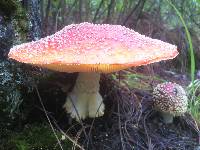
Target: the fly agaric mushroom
(170, 99)
(91, 49)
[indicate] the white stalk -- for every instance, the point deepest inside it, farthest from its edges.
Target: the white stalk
(85, 98)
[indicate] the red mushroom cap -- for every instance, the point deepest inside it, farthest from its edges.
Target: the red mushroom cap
(88, 47)
(170, 98)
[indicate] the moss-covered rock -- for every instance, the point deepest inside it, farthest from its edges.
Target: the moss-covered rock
(34, 136)
(8, 7)
(13, 26)
(13, 81)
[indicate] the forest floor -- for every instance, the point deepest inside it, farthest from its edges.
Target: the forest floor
(129, 121)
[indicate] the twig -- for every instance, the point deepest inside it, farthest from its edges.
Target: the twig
(97, 11)
(67, 136)
(81, 122)
(93, 122)
(46, 113)
(110, 11)
(77, 137)
(54, 132)
(119, 123)
(150, 146)
(135, 11)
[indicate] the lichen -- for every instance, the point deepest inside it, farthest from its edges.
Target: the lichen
(13, 81)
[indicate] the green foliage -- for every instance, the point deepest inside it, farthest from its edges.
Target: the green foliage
(193, 88)
(140, 81)
(193, 91)
(192, 58)
(137, 80)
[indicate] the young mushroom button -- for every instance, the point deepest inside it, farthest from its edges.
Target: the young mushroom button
(91, 49)
(170, 100)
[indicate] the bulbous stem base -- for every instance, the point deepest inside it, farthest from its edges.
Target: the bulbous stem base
(85, 100)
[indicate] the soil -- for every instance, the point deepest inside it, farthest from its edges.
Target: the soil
(129, 121)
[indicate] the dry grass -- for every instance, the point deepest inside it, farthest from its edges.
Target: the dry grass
(130, 123)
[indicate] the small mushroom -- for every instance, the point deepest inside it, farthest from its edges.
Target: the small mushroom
(170, 100)
(91, 49)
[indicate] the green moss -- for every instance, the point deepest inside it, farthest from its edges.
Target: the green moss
(16, 18)
(20, 25)
(13, 11)
(137, 80)
(140, 81)
(35, 136)
(8, 7)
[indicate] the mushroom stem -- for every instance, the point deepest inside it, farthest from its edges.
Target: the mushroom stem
(84, 100)
(167, 117)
